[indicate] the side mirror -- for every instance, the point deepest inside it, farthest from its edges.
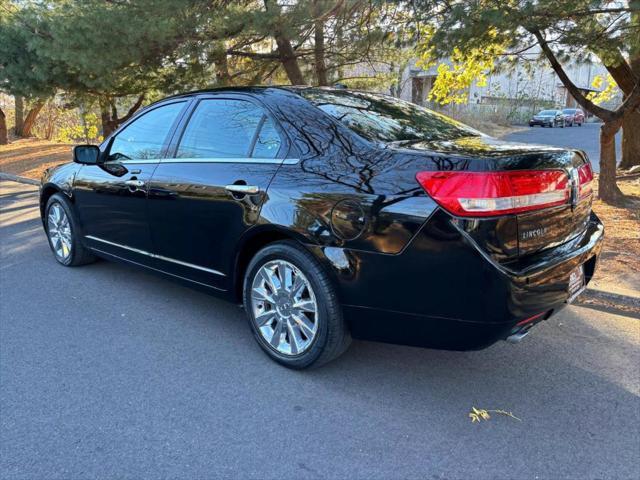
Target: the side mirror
(86, 154)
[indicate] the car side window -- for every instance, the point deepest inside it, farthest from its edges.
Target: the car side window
(268, 141)
(144, 137)
(220, 128)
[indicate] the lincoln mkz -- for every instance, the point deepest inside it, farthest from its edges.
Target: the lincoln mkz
(332, 214)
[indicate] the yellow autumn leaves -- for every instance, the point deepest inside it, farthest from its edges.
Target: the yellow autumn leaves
(609, 91)
(455, 76)
(480, 414)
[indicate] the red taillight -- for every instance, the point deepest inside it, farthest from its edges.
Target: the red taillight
(484, 194)
(585, 179)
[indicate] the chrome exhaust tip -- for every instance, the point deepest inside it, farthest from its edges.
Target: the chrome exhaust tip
(518, 336)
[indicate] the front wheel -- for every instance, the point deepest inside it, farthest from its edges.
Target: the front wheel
(292, 307)
(63, 233)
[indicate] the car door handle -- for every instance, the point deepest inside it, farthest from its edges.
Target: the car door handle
(243, 189)
(134, 183)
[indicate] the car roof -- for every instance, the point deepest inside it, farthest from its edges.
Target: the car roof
(259, 89)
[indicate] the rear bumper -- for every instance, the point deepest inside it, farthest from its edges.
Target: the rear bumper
(442, 291)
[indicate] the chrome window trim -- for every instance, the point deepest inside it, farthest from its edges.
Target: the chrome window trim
(153, 255)
(273, 161)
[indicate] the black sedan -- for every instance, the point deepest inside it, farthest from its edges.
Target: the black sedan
(548, 118)
(332, 214)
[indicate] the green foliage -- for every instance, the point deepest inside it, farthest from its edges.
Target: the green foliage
(112, 50)
(576, 30)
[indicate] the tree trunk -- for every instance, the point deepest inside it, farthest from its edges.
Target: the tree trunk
(630, 139)
(30, 119)
(109, 114)
(286, 53)
(3, 129)
(288, 59)
(608, 190)
(19, 114)
(223, 78)
(105, 118)
(318, 49)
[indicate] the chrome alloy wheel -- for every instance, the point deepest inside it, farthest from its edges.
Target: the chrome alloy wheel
(284, 307)
(59, 230)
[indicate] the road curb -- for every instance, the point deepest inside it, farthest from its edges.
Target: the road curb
(616, 298)
(17, 178)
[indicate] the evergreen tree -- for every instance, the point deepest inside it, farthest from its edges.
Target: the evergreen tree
(563, 30)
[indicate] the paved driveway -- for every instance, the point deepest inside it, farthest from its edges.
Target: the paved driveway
(110, 372)
(586, 138)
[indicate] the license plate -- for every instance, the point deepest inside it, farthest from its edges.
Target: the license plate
(576, 283)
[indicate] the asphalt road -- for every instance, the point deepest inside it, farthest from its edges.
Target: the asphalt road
(586, 137)
(110, 372)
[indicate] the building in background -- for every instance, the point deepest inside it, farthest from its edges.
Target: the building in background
(527, 85)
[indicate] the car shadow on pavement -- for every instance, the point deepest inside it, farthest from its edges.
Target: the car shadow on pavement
(107, 341)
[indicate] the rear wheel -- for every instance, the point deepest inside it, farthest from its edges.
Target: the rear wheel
(292, 307)
(63, 233)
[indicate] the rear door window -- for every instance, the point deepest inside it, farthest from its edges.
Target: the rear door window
(228, 128)
(267, 143)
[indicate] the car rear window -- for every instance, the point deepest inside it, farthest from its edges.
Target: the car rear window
(386, 119)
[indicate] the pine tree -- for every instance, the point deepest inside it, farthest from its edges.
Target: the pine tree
(562, 30)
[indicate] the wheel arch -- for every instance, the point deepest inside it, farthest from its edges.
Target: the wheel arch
(47, 191)
(253, 241)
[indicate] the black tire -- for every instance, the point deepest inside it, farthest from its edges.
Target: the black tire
(332, 337)
(79, 254)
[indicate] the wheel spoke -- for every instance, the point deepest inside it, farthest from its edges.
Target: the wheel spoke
(275, 277)
(57, 213)
(57, 244)
(278, 331)
(264, 317)
(306, 326)
(298, 287)
(287, 276)
(294, 338)
(262, 294)
(270, 279)
(305, 305)
(65, 248)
